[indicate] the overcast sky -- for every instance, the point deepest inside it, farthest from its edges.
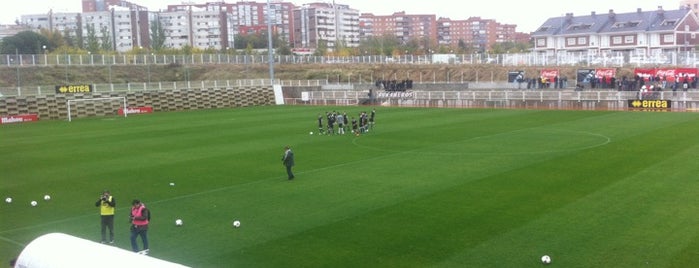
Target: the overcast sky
(527, 15)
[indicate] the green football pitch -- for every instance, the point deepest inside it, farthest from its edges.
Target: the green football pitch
(424, 188)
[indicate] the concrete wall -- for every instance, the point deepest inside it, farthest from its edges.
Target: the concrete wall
(55, 106)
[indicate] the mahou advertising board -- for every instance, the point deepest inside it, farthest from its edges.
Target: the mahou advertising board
(21, 118)
(136, 110)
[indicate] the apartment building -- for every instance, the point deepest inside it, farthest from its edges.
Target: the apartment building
(406, 27)
(476, 33)
(106, 5)
(639, 33)
(67, 23)
(176, 27)
(240, 18)
(215, 25)
(116, 25)
(251, 18)
(335, 25)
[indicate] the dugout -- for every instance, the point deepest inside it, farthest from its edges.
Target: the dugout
(58, 250)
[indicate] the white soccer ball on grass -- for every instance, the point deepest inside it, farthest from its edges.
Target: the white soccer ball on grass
(236, 224)
(8, 200)
(33, 203)
(546, 259)
(47, 197)
(178, 222)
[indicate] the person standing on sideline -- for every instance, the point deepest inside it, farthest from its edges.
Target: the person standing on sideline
(288, 161)
(140, 216)
(107, 205)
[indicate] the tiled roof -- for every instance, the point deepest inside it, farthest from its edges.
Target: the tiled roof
(656, 20)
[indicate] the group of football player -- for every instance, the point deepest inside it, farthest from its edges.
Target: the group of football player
(339, 123)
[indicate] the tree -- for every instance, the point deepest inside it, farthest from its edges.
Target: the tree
(25, 42)
(512, 47)
(92, 42)
(380, 45)
(69, 40)
(321, 49)
(283, 47)
(105, 39)
(54, 37)
(157, 35)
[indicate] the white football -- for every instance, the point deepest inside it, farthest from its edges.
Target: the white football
(311, 133)
(178, 222)
(47, 197)
(546, 259)
(172, 184)
(33, 203)
(8, 200)
(236, 224)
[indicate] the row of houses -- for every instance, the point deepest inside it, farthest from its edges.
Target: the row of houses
(647, 34)
(215, 25)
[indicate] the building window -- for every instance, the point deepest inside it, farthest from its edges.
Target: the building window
(629, 39)
(543, 29)
(579, 26)
(668, 23)
(669, 38)
(616, 40)
(625, 24)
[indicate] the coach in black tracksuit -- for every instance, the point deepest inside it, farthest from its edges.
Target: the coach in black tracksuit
(288, 161)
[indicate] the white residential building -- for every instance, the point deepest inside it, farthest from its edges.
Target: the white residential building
(206, 28)
(324, 22)
(65, 23)
(177, 28)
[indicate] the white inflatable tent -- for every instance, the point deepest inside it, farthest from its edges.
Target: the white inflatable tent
(58, 250)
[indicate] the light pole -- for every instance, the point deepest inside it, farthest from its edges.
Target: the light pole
(19, 81)
(67, 63)
(269, 42)
(148, 63)
(46, 58)
(109, 65)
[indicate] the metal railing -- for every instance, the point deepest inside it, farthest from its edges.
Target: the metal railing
(125, 87)
(512, 95)
(509, 59)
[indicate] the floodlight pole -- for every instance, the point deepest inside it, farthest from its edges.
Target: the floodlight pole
(270, 55)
